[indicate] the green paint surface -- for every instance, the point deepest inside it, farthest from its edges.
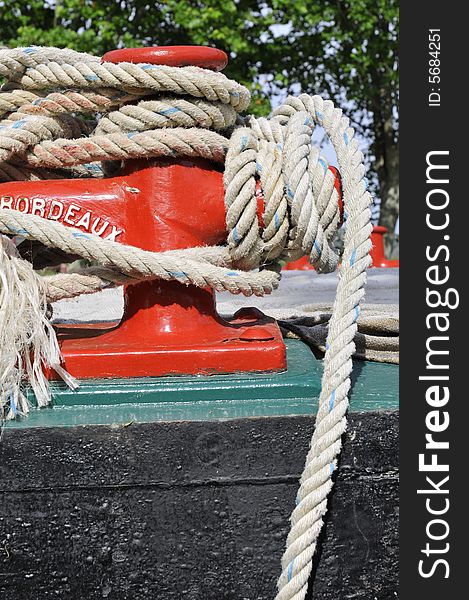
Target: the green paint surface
(375, 386)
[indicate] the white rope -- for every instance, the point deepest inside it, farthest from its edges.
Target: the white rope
(44, 68)
(316, 482)
(26, 336)
(203, 267)
(47, 86)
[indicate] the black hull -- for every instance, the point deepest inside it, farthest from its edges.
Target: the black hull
(191, 510)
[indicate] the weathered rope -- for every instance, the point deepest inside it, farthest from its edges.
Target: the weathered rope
(202, 267)
(26, 337)
(316, 481)
(39, 69)
(195, 114)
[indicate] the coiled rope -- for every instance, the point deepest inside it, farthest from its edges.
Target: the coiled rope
(150, 111)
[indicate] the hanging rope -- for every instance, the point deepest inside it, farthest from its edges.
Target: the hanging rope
(143, 110)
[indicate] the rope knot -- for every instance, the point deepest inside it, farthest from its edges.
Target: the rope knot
(301, 210)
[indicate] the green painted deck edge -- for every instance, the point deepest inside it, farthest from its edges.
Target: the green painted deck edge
(375, 386)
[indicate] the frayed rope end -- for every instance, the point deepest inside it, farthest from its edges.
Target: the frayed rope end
(28, 342)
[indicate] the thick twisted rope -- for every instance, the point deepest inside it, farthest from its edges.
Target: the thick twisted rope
(316, 481)
(194, 113)
(38, 69)
(196, 266)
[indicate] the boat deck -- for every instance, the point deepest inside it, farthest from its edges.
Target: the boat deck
(297, 289)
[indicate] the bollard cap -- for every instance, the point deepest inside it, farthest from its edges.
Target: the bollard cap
(172, 56)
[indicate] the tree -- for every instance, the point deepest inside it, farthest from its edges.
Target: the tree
(348, 48)
(337, 48)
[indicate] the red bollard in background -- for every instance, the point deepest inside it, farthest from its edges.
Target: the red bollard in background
(377, 251)
(377, 254)
(156, 205)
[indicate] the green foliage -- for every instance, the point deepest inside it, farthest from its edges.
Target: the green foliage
(332, 45)
(344, 46)
(338, 48)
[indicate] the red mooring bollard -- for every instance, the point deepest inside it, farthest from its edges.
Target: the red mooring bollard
(157, 204)
(377, 251)
(377, 254)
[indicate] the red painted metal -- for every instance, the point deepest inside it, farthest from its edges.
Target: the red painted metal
(377, 251)
(340, 194)
(158, 204)
(303, 264)
(173, 56)
(260, 205)
(377, 254)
